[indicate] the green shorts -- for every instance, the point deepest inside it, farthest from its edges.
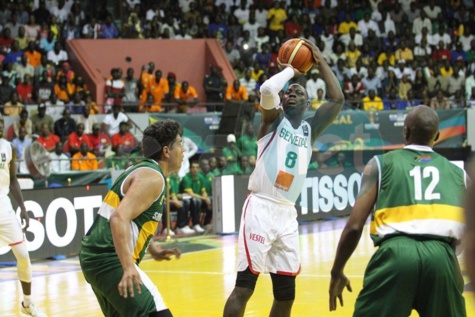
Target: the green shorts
(104, 272)
(406, 274)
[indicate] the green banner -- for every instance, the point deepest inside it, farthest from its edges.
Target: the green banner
(352, 130)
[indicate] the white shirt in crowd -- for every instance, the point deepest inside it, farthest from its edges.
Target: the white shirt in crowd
(59, 163)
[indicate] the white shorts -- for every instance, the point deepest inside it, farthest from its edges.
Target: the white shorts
(268, 238)
(11, 232)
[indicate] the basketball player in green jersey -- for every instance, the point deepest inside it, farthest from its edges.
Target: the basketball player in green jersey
(414, 196)
(125, 224)
(470, 224)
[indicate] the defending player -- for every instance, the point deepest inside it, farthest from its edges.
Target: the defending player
(414, 196)
(268, 237)
(125, 225)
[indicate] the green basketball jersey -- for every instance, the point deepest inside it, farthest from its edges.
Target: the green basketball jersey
(142, 228)
(419, 193)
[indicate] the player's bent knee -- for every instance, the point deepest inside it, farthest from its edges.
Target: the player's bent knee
(246, 279)
(162, 313)
(283, 287)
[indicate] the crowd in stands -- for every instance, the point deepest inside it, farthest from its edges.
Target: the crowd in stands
(387, 54)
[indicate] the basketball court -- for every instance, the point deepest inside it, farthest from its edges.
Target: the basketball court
(199, 283)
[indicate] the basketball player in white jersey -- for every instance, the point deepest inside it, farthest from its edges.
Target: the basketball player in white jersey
(11, 232)
(268, 236)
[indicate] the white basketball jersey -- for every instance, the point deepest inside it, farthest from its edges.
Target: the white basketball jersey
(283, 157)
(5, 159)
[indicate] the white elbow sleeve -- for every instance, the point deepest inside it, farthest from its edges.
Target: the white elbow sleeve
(269, 97)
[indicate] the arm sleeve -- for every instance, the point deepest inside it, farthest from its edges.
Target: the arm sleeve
(271, 87)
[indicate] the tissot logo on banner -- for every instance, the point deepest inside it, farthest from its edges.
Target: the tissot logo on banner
(59, 219)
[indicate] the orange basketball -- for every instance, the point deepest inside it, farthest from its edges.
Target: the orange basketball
(297, 54)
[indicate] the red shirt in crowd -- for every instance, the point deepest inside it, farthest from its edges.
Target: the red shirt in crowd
(74, 140)
(49, 142)
(99, 141)
(127, 140)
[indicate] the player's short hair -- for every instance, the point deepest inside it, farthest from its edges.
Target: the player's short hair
(159, 135)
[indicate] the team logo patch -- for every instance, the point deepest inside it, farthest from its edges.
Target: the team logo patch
(4, 157)
(423, 158)
(305, 130)
(284, 181)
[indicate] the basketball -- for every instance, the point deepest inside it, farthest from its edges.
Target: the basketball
(297, 54)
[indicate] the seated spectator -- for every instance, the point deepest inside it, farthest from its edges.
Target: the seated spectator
(65, 125)
(236, 92)
(185, 96)
(446, 69)
(84, 160)
(158, 88)
(109, 29)
(352, 55)
(354, 90)
(404, 86)
(131, 91)
(93, 107)
(6, 41)
(76, 138)
(419, 84)
(391, 41)
(456, 82)
(101, 142)
(180, 205)
(401, 69)
(440, 101)
(14, 56)
(47, 44)
(76, 104)
(124, 138)
(404, 52)
(111, 122)
(25, 90)
(441, 52)
(193, 184)
(352, 37)
(190, 149)
(372, 102)
(60, 162)
(44, 88)
(247, 142)
(411, 102)
(24, 68)
(422, 51)
(314, 83)
(457, 101)
(359, 69)
(47, 139)
(248, 82)
(23, 122)
(233, 156)
(372, 82)
(86, 119)
(57, 55)
(54, 106)
(41, 117)
(32, 55)
(340, 161)
(20, 143)
(319, 100)
(393, 102)
(62, 90)
(119, 160)
(14, 106)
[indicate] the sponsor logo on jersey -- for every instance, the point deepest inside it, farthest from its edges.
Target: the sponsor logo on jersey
(424, 158)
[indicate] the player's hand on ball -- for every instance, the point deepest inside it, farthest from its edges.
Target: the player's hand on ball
(317, 55)
(282, 66)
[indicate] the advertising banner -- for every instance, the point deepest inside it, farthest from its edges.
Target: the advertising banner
(59, 218)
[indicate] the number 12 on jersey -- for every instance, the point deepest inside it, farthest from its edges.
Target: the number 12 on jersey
(417, 173)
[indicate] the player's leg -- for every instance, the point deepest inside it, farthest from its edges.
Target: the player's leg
(242, 292)
(195, 207)
(253, 246)
(441, 286)
(391, 280)
(284, 262)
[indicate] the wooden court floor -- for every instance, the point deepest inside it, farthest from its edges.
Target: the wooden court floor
(199, 283)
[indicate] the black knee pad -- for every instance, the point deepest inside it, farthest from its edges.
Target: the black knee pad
(162, 313)
(246, 279)
(283, 287)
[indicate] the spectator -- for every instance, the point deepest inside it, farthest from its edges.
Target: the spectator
(190, 149)
(441, 36)
(422, 51)
(371, 102)
(47, 139)
(276, 18)
(236, 92)
(404, 86)
(57, 55)
(54, 106)
(214, 85)
(115, 90)
(146, 78)
(366, 24)
(371, 82)
(76, 138)
(109, 29)
(45, 69)
(86, 119)
(124, 138)
(340, 161)
(354, 90)
(419, 84)
(25, 123)
(32, 29)
(319, 100)
(60, 162)
(469, 83)
(25, 90)
(14, 55)
(420, 23)
(33, 57)
(180, 204)
(14, 106)
(247, 142)
(101, 142)
(20, 143)
(458, 53)
(431, 10)
(158, 89)
(24, 68)
(47, 44)
(359, 69)
(345, 26)
(440, 101)
(193, 184)
(41, 13)
(6, 40)
(65, 125)
(248, 82)
(351, 36)
(185, 96)
(456, 82)
(457, 101)
(40, 118)
(233, 156)
(232, 53)
(352, 55)
(111, 121)
(404, 52)
(92, 29)
(84, 160)
(118, 160)
(63, 90)
(131, 91)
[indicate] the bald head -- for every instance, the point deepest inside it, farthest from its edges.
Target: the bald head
(421, 126)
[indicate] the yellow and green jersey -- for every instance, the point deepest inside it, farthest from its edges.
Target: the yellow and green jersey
(99, 237)
(420, 194)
